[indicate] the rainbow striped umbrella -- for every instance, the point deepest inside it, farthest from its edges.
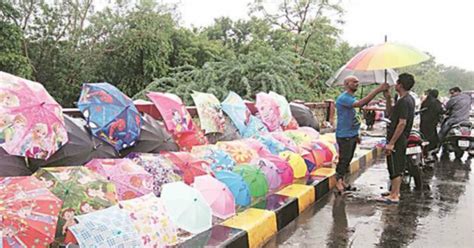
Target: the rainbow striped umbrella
(384, 56)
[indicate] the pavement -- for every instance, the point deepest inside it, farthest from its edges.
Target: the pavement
(441, 215)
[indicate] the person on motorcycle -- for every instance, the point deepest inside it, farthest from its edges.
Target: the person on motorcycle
(457, 108)
(401, 122)
(431, 111)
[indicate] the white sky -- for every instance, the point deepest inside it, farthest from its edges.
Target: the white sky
(443, 28)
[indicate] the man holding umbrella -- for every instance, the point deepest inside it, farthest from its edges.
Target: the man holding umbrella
(348, 124)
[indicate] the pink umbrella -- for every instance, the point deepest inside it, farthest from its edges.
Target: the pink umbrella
(287, 142)
(310, 132)
(284, 169)
(269, 111)
(257, 146)
(271, 172)
(31, 121)
(217, 195)
(130, 179)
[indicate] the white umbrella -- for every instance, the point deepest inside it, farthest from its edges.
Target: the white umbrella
(365, 77)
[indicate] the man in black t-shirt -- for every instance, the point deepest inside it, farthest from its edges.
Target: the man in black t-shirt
(401, 122)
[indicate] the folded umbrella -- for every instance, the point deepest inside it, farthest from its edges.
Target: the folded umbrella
(236, 185)
(217, 195)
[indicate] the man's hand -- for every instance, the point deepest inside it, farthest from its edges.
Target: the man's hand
(386, 93)
(384, 87)
(389, 149)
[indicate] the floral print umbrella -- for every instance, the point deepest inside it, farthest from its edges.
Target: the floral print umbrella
(210, 113)
(31, 121)
(239, 151)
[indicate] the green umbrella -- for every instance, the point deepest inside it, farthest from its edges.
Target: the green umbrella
(254, 177)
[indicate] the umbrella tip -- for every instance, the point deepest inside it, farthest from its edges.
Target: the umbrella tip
(195, 199)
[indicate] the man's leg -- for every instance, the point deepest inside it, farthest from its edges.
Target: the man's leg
(346, 152)
(396, 165)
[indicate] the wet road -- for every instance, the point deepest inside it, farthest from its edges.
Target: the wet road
(441, 215)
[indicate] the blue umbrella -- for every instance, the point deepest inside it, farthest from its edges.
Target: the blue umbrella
(235, 108)
(237, 186)
(220, 160)
(110, 114)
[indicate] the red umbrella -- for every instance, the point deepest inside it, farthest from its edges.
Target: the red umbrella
(189, 166)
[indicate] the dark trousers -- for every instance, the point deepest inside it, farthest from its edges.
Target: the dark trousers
(397, 160)
(347, 148)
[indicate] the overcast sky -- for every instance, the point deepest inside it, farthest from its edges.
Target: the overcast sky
(443, 28)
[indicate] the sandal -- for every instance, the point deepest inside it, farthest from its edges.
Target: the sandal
(350, 188)
(387, 201)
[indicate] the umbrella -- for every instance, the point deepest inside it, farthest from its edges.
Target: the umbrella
(287, 142)
(230, 133)
(11, 166)
(186, 207)
(189, 166)
(283, 168)
(218, 159)
(153, 138)
(110, 114)
(130, 179)
(81, 147)
(322, 153)
(236, 185)
(173, 111)
(150, 219)
(239, 151)
(31, 121)
(384, 56)
(304, 116)
(81, 190)
(311, 132)
(257, 146)
(217, 195)
(210, 113)
(365, 77)
(254, 178)
(186, 140)
(161, 168)
(28, 212)
(296, 162)
(299, 137)
(271, 172)
(284, 107)
(272, 144)
(254, 128)
(235, 108)
(108, 227)
(269, 111)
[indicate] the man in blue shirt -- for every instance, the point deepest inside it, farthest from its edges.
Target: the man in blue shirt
(348, 124)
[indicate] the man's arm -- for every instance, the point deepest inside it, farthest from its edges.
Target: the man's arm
(362, 102)
(398, 131)
(388, 103)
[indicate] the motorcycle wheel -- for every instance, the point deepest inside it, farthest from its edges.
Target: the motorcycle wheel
(415, 172)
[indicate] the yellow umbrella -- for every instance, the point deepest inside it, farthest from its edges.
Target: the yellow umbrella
(296, 163)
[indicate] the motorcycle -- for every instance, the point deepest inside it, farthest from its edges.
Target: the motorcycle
(460, 139)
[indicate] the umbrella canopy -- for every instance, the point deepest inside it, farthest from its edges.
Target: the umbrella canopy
(189, 166)
(235, 108)
(230, 133)
(108, 227)
(12, 166)
(150, 219)
(322, 153)
(254, 128)
(239, 151)
(269, 111)
(254, 178)
(236, 185)
(384, 56)
(131, 180)
(272, 144)
(296, 162)
(31, 121)
(283, 168)
(304, 116)
(29, 212)
(161, 168)
(257, 146)
(80, 148)
(311, 132)
(81, 190)
(153, 138)
(173, 111)
(217, 158)
(365, 77)
(217, 195)
(299, 137)
(186, 140)
(210, 113)
(110, 114)
(284, 107)
(271, 172)
(283, 139)
(186, 207)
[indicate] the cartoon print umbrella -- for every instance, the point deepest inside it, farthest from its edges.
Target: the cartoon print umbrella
(217, 195)
(230, 133)
(186, 207)
(173, 111)
(254, 178)
(287, 142)
(218, 159)
(210, 112)
(283, 168)
(161, 168)
(236, 185)
(284, 107)
(269, 111)
(80, 148)
(11, 166)
(272, 144)
(189, 166)
(31, 121)
(81, 190)
(108, 227)
(131, 180)
(110, 114)
(28, 212)
(254, 128)
(186, 140)
(235, 108)
(257, 146)
(150, 219)
(271, 172)
(153, 138)
(296, 162)
(239, 151)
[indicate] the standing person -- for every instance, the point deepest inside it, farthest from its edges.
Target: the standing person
(458, 109)
(431, 111)
(348, 124)
(401, 122)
